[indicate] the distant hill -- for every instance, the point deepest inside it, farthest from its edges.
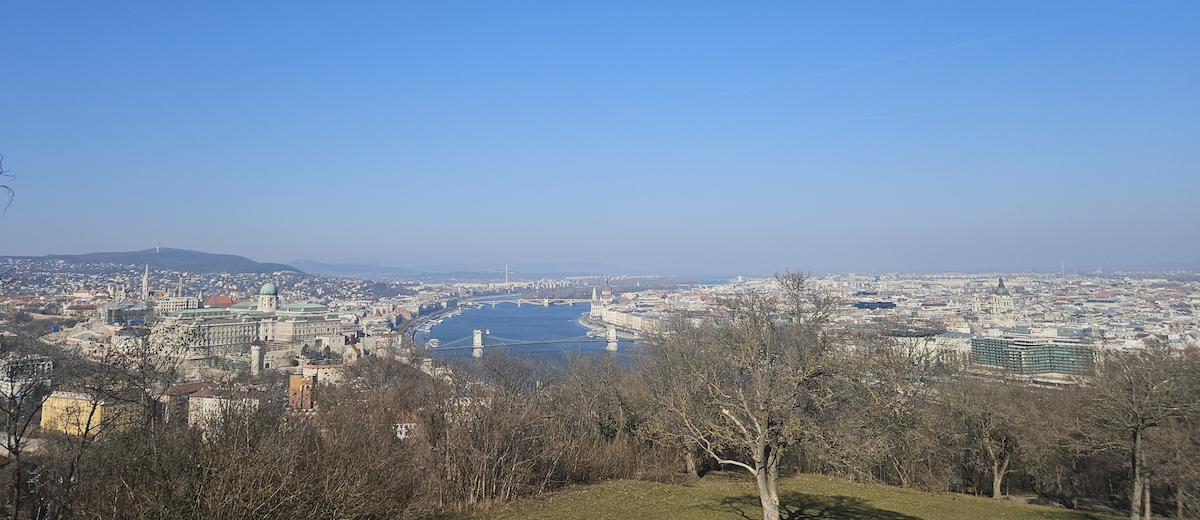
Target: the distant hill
(353, 270)
(536, 269)
(178, 260)
(461, 272)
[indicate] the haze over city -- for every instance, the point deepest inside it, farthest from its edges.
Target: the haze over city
(606, 260)
(672, 138)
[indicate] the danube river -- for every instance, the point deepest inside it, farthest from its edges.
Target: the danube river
(507, 323)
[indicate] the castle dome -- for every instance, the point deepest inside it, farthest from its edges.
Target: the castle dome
(268, 289)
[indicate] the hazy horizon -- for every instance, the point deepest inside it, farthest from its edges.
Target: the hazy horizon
(668, 138)
(358, 269)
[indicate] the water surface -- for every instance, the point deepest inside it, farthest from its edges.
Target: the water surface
(507, 323)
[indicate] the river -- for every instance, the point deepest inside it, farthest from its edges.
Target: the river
(507, 323)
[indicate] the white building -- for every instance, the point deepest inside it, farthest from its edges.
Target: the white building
(20, 376)
(171, 304)
(215, 331)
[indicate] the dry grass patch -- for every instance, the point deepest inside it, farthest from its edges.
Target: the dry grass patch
(733, 496)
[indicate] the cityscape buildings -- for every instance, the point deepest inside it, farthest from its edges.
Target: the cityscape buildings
(1042, 327)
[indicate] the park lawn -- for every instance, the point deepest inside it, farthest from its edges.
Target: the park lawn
(734, 496)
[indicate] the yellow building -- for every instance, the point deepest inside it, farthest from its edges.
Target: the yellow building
(78, 412)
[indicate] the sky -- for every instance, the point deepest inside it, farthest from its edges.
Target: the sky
(668, 137)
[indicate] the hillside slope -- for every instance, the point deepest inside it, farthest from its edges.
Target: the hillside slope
(731, 496)
(178, 260)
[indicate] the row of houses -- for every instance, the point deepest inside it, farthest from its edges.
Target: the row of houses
(79, 411)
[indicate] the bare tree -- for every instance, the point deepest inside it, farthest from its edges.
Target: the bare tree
(993, 424)
(25, 373)
(602, 413)
(1173, 455)
(1133, 392)
(5, 187)
(878, 429)
(6, 276)
(493, 439)
(747, 387)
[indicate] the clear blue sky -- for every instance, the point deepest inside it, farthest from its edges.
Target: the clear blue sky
(690, 137)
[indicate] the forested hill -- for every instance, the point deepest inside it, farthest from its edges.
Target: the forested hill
(177, 260)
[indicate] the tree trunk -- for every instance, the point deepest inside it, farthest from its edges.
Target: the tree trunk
(1135, 495)
(1178, 502)
(767, 475)
(16, 486)
(690, 459)
(998, 472)
(1146, 509)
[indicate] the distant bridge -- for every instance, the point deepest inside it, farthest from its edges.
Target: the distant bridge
(477, 344)
(544, 302)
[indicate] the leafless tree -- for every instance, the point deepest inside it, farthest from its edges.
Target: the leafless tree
(605, 418)
(747, 388)
(1134, 392)
(26, 379)
(878, 429)
(993, 424)
(495, 432)
(5, 187)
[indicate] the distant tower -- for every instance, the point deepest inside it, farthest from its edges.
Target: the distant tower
(268, 298)
(146, 284)
(256, 358)
(595, 297)
(505, 273)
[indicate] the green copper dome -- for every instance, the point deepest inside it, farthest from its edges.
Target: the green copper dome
(1001, 290)
(268, 289)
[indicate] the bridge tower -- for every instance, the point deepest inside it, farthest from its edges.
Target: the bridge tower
(477, 344)
(612, 339)
(545, 302)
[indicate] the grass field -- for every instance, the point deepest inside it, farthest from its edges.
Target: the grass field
(734, 496)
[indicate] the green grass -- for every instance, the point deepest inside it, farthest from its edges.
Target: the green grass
(734, 496)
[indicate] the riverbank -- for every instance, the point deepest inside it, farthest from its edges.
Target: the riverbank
(590, 324)
(595, 325)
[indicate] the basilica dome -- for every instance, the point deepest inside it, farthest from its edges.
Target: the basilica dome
(1001, 290)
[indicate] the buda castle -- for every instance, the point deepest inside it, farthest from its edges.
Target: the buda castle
(217, 332)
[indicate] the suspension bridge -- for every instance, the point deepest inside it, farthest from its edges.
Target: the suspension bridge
(477, 342)
(545, 302)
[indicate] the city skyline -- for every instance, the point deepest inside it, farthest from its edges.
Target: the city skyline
(670, 138)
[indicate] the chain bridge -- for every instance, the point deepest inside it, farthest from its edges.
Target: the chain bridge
(477, 344)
